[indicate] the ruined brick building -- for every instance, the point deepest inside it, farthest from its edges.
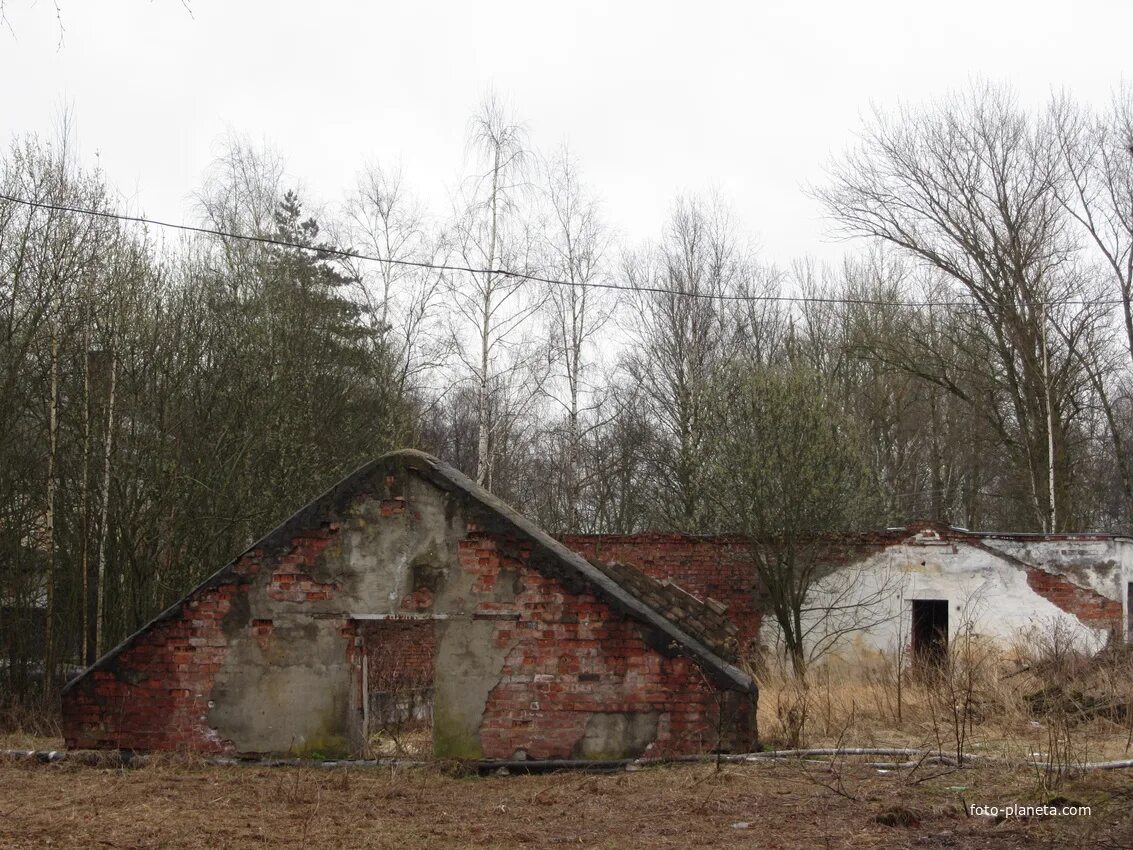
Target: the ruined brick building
(911, 589)
(408, 591)
(917, 588)
(408, 571)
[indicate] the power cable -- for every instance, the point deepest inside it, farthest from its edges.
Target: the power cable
(657, 290)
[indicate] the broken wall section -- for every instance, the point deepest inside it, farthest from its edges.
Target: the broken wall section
(533, 650)
(984, 590)
(707, 567)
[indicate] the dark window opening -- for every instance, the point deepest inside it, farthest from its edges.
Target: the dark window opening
(427, 576)
(930, 630)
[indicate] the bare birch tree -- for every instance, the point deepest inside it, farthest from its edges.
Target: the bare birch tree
(682, 327)
(384, 220)
(575, 242)
(494, 305)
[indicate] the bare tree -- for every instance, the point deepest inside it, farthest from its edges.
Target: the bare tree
(681, 329)
(919, 380)
(57, 9)
(404, 299)
(574, 243)
(617, 462)
(493, 305)
(45, 256)
(970, 187)
(1096, 153)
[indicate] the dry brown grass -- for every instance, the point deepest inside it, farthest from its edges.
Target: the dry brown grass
(30, 726)
(178, 802)
(172, 804)
(24, 741)
(416, 743)
(985, 689)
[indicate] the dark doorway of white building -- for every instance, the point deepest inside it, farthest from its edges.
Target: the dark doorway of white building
(1129, 613)
(930, 631)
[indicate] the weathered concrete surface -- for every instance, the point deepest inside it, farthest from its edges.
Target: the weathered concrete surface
(468, 667)
(615, 735)
(292, 695)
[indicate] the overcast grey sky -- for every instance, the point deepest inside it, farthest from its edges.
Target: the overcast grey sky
(655, 98)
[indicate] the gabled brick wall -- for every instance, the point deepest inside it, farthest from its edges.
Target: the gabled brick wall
(531, 650)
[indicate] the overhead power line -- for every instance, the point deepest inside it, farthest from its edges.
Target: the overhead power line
(658, 290)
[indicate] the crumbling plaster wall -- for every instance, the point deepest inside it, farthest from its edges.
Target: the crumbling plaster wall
(297, 690)
(1101, 563)
(998, 598)
(264, 657)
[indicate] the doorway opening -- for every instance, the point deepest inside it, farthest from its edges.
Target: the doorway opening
(1129, 613)
(930, 631)
(397, 686)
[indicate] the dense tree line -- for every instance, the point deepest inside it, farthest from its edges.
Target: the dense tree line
(167, 399)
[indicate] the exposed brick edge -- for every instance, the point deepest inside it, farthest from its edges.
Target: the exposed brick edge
(1087, 605)
(156, 695)
(154, 691)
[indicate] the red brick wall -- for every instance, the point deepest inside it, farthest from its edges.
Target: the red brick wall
(154, 695)
(704, 567)
(289, 581)
(1090, 607)
(400, 653)
(570, 656)
(566, 656)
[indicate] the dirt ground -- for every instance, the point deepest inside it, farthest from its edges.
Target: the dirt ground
(180, 804)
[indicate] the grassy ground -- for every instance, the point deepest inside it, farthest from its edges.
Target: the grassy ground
(979, 705)
(179, 804)
(26, 741)
(848, 714)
